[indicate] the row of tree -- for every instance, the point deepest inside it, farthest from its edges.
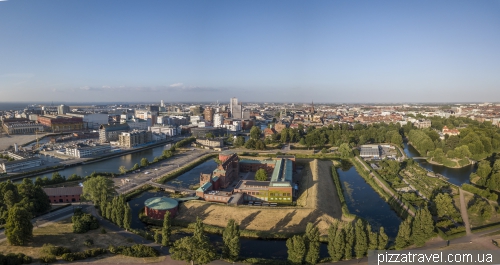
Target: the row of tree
(415, 230)
(117, 211)
(487, 175)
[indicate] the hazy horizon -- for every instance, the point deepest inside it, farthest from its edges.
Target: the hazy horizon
(329, 52)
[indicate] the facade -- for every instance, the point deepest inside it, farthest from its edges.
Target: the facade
(202, 132)
(218, 120)
(61, 123)
(216, 187)
(134, 138)
(156, 207)
(92, 121)
(110, 132)
(208, 114)
(422, 124)
(22, 127)
(211, 143)
(63, 109)
(450, 131)
(167, 130)
(64, 194)
(86, 151)
(18, 165)
(235, 108)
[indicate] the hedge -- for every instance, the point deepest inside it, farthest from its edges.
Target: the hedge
(137, 251)
(14, 259)
(483, 193)
(89, 253)
(340, 193)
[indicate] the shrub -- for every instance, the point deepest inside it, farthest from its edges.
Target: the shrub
(83, 255)
(88, 242)
(137, 251)
(48, 258)
(83, 222)
(15, 259)
(103, 231)
(49, 249)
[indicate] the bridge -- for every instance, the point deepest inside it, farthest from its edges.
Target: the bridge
(419, 157)
(170, 188)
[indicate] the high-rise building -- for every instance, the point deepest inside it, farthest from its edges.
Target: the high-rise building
(63, 109)
(235, 108)
(162, 104)
(218, 120)
(208, 114)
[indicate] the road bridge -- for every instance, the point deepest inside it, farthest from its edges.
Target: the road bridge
(170, 188)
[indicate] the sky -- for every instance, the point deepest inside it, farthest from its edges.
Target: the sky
(258, 51)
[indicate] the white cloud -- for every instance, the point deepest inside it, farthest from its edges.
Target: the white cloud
(177, 85)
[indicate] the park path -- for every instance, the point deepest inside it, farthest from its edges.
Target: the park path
(387, 190)
(463, 212)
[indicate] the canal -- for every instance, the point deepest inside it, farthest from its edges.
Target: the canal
(457, 176)
(250, 248)
(364, 202)
(111, 165)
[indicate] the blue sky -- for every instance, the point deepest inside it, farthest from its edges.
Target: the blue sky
(283, 51)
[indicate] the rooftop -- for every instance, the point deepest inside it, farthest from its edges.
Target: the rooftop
(161, 203)
(63, 191)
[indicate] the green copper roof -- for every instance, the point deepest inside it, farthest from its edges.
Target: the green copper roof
(161, 203)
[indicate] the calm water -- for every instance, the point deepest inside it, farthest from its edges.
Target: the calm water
(192, 177)
(364, 202)
(112, 165)
(457, 176)
(257, 248)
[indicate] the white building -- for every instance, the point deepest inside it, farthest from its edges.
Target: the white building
(218, 120)
(17, 165)
(87, 150)
(167, 130)
(195, 119)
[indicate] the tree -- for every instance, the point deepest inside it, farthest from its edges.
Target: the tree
(332, 233)
(193, 249)
(260, 145)
(444, 206)
(18, 228)
(128, 216)
(345, 151)
(98, 189)
(349, 241)
(240, 141)
(361, 239)
(255, 133)
(382, 239)
(312, 244)
(122, 170)
(296, 249)
(135, 167)
(403, 239)
(231, 238)
(422, 227)
(166, 230)
(339, 245)
(250, 144)
(261, 175)
(157, 237)
(372, 238)
(144, 162)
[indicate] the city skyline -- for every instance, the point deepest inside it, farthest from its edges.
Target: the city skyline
(326, 51)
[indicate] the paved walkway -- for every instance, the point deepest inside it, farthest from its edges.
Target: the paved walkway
(463, 212)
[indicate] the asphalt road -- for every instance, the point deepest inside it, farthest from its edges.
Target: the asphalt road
(157, 170)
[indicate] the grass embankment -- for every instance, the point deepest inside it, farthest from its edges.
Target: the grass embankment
(383, 194)
(340, 192)
(61, 234)
(185, 169)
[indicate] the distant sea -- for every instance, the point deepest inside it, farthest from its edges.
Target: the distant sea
(24, 105)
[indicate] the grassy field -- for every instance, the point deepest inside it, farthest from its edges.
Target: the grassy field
(317, 203)
(61, 234)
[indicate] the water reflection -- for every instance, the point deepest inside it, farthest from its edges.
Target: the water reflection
(364, 202)
(457, 176)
